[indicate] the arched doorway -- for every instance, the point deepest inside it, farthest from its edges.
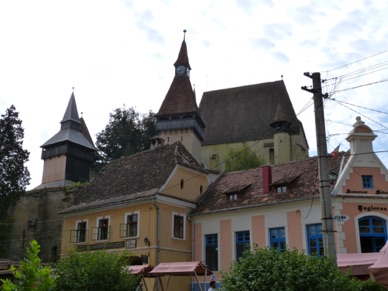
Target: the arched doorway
(373, 233)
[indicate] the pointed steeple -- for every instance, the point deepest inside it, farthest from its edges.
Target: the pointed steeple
(69, 155)
(178, 117)
(71, 113)
(280, 123)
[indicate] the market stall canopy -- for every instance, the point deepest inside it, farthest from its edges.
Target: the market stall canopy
(357, 263)
(181, 269)
(140, 269)
(379, 270)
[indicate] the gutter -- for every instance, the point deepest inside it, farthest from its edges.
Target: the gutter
(157, 232)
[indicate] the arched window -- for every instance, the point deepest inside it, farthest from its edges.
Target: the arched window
(373, 233)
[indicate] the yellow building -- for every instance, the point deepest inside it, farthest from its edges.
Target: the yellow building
(139, 204)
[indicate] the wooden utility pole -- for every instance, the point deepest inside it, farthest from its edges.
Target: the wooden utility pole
(323, 166)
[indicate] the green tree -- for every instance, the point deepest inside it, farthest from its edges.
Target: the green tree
(14, 176)
(97, 271)
(242, 159)
(31, 275)
(127, 133)
(269, 269)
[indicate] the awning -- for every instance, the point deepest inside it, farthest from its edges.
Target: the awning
(140, 269)
(195, 268)
(379, 270)
(357, 263)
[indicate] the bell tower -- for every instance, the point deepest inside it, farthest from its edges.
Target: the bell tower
(178, 118)
(69, 155)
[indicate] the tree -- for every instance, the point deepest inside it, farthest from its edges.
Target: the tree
(269, 269)
(127, 133)
(99, 270)
(31, 275)
(14, 176)
(242, 159)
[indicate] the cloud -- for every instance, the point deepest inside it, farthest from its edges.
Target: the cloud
(262, 43)
(277, 31)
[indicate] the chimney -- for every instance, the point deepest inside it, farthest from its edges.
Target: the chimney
(267, 178)
(156, 141)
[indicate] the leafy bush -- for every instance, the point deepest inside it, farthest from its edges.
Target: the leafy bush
(95, 271)
(31, 275)
(269, 269)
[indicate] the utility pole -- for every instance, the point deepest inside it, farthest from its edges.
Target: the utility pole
(323, 166)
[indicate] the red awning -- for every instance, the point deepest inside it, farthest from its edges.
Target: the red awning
(379, 270)
(140, 269)
(181, 269)
(358, 263)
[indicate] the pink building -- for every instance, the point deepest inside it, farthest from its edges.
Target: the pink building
(279, 206)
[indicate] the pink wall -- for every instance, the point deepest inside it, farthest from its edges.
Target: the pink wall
(258, 230)
(354, 183)
(294, 230)
(225, 244)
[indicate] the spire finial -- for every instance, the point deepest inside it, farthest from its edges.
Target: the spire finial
(184, 34)
(73, 89)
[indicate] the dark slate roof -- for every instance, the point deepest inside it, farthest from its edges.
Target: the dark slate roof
(246, 113)
(134, 177)
(300, 178)
(73, 129)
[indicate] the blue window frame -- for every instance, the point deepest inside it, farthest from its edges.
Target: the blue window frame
(211, 249)
(277, 238)
(373, 233)
(315, 240)
(242, 242)
(367, 181)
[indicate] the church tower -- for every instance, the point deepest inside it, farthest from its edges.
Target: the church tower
(281, 138)
(178, 118)
(69, 155)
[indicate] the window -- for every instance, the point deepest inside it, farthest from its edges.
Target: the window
(102, 231)
(373, 233)
(178, 226)
(314, 240)
(367, 182)
(233, 197)
(277, 238)
(281, 189)
(131, 227)
(242, 242)
(79, 234)
(211, 251)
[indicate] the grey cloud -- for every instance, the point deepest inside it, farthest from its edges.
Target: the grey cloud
(280, 57)
(262, 43)
(277, 31)
(142, 24)
(247, 5)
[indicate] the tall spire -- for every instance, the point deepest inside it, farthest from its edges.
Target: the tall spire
(183, 58)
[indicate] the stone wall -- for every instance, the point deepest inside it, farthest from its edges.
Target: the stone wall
(36, 217)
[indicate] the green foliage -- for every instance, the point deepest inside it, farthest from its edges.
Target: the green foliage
(242, 159)
(95, 271)
(31, 275)
(14, 177)
(127, 133)
(269, 269)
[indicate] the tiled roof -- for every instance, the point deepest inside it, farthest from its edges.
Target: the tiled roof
(300, 178)
(130, 178)
(180, 98)
(246, 113)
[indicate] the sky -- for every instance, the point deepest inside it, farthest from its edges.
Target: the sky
(120, 53)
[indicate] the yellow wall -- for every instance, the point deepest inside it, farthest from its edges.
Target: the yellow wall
(186, 184)
(214, 156)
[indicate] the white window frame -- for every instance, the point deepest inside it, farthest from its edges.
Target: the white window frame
(138, 223)
(184, 225)
(86, 231)
(97, 226)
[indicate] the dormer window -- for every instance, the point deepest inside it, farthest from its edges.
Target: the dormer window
(281, 189)
(367, 181)
(233, 197)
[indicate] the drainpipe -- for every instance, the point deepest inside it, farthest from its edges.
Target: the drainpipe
(192, 244)
(157, 232)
